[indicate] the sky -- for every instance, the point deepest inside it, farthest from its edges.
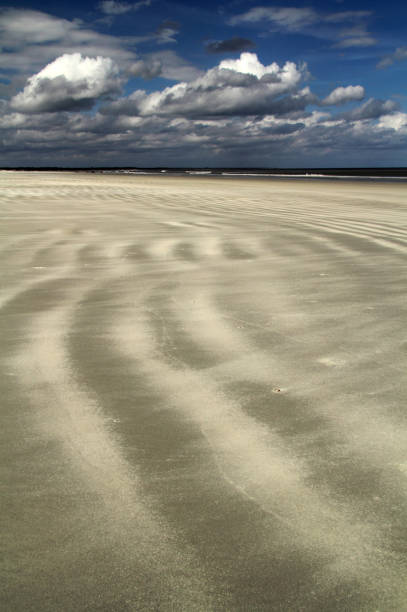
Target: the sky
(203, 83)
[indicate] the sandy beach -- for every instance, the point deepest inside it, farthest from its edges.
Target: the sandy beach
(203, 389)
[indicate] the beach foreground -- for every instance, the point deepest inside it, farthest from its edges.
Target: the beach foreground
(203, 387)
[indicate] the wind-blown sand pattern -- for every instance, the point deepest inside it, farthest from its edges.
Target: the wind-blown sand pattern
(203, 394)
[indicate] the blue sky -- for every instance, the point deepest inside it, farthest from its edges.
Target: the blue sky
(239, 83)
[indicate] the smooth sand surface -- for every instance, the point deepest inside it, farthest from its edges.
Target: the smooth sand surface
(203, 389)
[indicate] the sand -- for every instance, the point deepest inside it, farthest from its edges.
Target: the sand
(203, 388)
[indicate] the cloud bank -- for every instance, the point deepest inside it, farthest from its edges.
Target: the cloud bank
(239, 112)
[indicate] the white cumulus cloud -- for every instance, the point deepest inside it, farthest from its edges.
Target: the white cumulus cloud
(396, 121)
(248, 63)
(341, 95)
(71, 82)
(235, 87)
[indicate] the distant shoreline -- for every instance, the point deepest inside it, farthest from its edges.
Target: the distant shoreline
(366, 174)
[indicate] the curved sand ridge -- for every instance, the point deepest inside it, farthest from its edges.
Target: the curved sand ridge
(204, 388)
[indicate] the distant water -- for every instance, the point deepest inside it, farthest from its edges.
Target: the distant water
(368, 174)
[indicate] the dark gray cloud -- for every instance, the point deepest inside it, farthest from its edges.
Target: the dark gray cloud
(231, 45)
(285, 128)
(167, 64)
(81, 139)
(167, 31)
(371, 109)
(146, 69)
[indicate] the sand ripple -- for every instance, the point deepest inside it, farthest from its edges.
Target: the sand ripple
(203, 386)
